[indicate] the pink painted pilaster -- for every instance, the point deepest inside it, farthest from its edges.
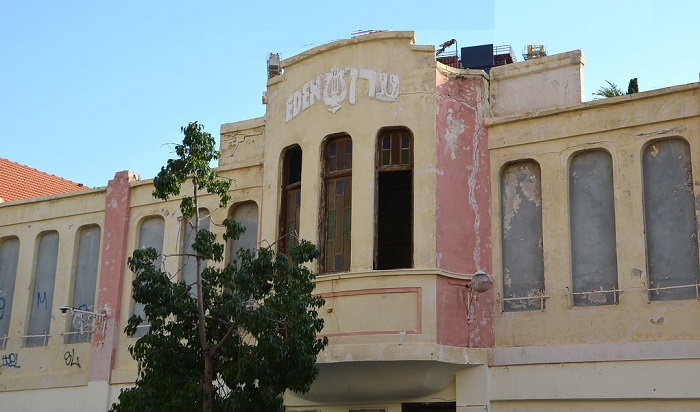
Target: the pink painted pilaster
(112, 269)
(463, 205)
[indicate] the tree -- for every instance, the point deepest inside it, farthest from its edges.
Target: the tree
(633, 86)
(611, 90)
(239, 336)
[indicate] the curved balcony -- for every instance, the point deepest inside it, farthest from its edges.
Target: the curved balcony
(397, 334)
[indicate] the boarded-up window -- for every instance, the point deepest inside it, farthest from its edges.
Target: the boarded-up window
(521, 237)
(85, 277)
(337, 204)
(669, 219)
(246, 214)
(394, 209)
(291, 199)
(9, 253)
(592, 223)
(150, 235)
(189, 261)
(39, 326)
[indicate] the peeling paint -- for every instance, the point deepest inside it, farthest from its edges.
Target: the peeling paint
(518, 181)
(659, 321)
(507, 281)
(636, 273)
(455, 127)
(597, 298)
(654, 151)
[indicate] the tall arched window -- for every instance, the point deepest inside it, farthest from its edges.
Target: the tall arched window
(291, 199)
(85, 277)
(9, 255)
(521, 236)
(39, 325)
(188, 261)
(670, 221)
(246, 214)
(394, 208)
(592, 224)
(337, 204)
(150, 235)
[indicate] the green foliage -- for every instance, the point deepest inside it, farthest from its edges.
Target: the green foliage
(611, 90)
(195, 154)
(260, 317)
(633, 86)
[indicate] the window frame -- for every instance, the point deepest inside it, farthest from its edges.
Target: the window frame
(326, 176)
(287, 187)
(379, 169)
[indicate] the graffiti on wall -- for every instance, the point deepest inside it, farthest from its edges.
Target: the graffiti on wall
(71, 359)
(10, 361)
(340, 84)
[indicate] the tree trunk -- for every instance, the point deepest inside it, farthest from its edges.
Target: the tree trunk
(208, 381)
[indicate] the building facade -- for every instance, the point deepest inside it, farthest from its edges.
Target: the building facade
(411, 177)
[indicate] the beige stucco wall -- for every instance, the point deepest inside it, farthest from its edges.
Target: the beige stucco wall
(622, 126)
(44, 366)
(537, 84)
(392, 53)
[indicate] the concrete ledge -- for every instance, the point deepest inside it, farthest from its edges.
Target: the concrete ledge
(603, 352)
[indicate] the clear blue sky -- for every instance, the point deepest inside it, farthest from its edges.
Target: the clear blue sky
(91, 88)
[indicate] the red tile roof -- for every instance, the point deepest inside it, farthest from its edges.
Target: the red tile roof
(22, 182)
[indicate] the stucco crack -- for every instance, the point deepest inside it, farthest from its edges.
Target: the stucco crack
(471, 183)
(463, 102)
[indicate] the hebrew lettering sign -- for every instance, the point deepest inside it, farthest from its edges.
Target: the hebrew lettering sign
(339, 84)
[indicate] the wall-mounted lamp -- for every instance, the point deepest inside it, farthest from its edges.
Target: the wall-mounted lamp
(86, 321)
(479, 284)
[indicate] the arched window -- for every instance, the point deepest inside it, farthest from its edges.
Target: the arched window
(9, 254)
(291, 199)
(188, 263)
(669, 220)
(521, 236)
(150, 235)
(394, 208)
(337, 204)
(592, 224)
(39, 325)
(246, 214)
(85, 277)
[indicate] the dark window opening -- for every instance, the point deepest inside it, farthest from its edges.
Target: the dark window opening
(337, 205)
(429, 407)
(394, 213)
(291, 199)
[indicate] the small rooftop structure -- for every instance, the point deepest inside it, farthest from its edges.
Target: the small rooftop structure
(486, 56)
(534, 51)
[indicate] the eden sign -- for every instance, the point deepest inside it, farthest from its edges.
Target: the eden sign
(340, 84)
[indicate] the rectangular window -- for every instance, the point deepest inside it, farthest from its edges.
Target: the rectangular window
(521, 236)
(150, 235)
(394, 209)
(291, 199)
(670, 221)
(9, 254)
(592, 223)
(337, 205)
(85, 278)
(39, 326)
